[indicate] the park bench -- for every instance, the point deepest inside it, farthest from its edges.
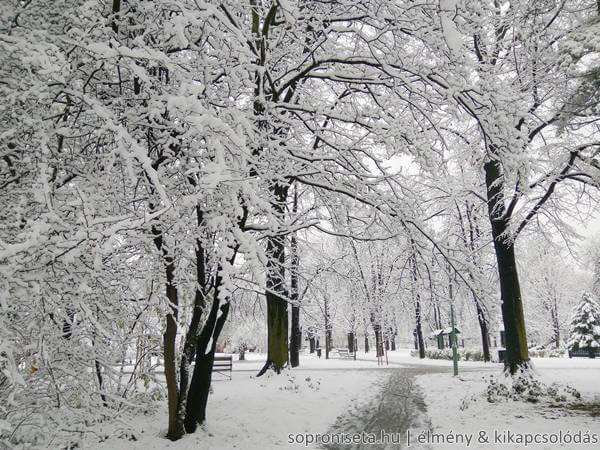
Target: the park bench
(585, 353)
(223, 365)
(344, 353)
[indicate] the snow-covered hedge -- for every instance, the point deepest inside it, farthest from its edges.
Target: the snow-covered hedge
(464, 354)
(541, 352)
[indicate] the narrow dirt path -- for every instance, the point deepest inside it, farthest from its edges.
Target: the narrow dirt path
(396, 406)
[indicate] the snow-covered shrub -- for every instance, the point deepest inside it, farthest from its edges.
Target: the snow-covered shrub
(439, 354)
(471, 355)
(584, 331)
(550, 352)
(291, 384)
(463, 354)
(526, 387)
(315, 385)
(496, 391)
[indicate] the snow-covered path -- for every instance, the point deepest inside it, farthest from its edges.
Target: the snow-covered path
(395, 405)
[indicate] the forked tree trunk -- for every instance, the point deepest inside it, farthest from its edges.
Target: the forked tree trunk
(191, 337)
(195, 413)
(517, 355)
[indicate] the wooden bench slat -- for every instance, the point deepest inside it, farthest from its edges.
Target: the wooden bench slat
(223, 364)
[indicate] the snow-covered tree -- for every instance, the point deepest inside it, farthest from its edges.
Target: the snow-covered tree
(584, 333)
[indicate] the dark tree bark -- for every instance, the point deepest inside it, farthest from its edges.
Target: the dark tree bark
(191, 337)
(485, 338)
(555, 330)
(417, 299)
(366, 344)
(296, 336)
(327, 327)
(378, 341)
(517, 355)
(351, 342)
(195, 413)
(312, 344)
(328, 342)
(277, 306)
(420, 342)
(470, 240)
(437, 317)
(98, 368)
(67, 326)
(176, 429)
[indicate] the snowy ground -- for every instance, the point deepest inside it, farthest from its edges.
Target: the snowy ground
(260, 413)
(318, 397)
(457, 406)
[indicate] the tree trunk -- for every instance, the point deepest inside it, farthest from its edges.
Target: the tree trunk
(195, 411)
(277, 331)
(417, 299)
(366, 344)
(312, 344)
(555, 327)
(485, 338)
(176, 429)
(378, 342)
(191, 337)
(327, 326)
(517, 355)
(98, 368)
(296, 337)
(420, 342)
(351, 342)
(277, 307)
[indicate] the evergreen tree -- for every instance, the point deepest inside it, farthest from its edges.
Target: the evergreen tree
(584, 331)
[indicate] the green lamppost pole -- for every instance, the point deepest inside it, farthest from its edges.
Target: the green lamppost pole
(453, 332)
(453, 339)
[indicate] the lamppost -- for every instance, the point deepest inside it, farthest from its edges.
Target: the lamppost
(452, 324)
(453, 338)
